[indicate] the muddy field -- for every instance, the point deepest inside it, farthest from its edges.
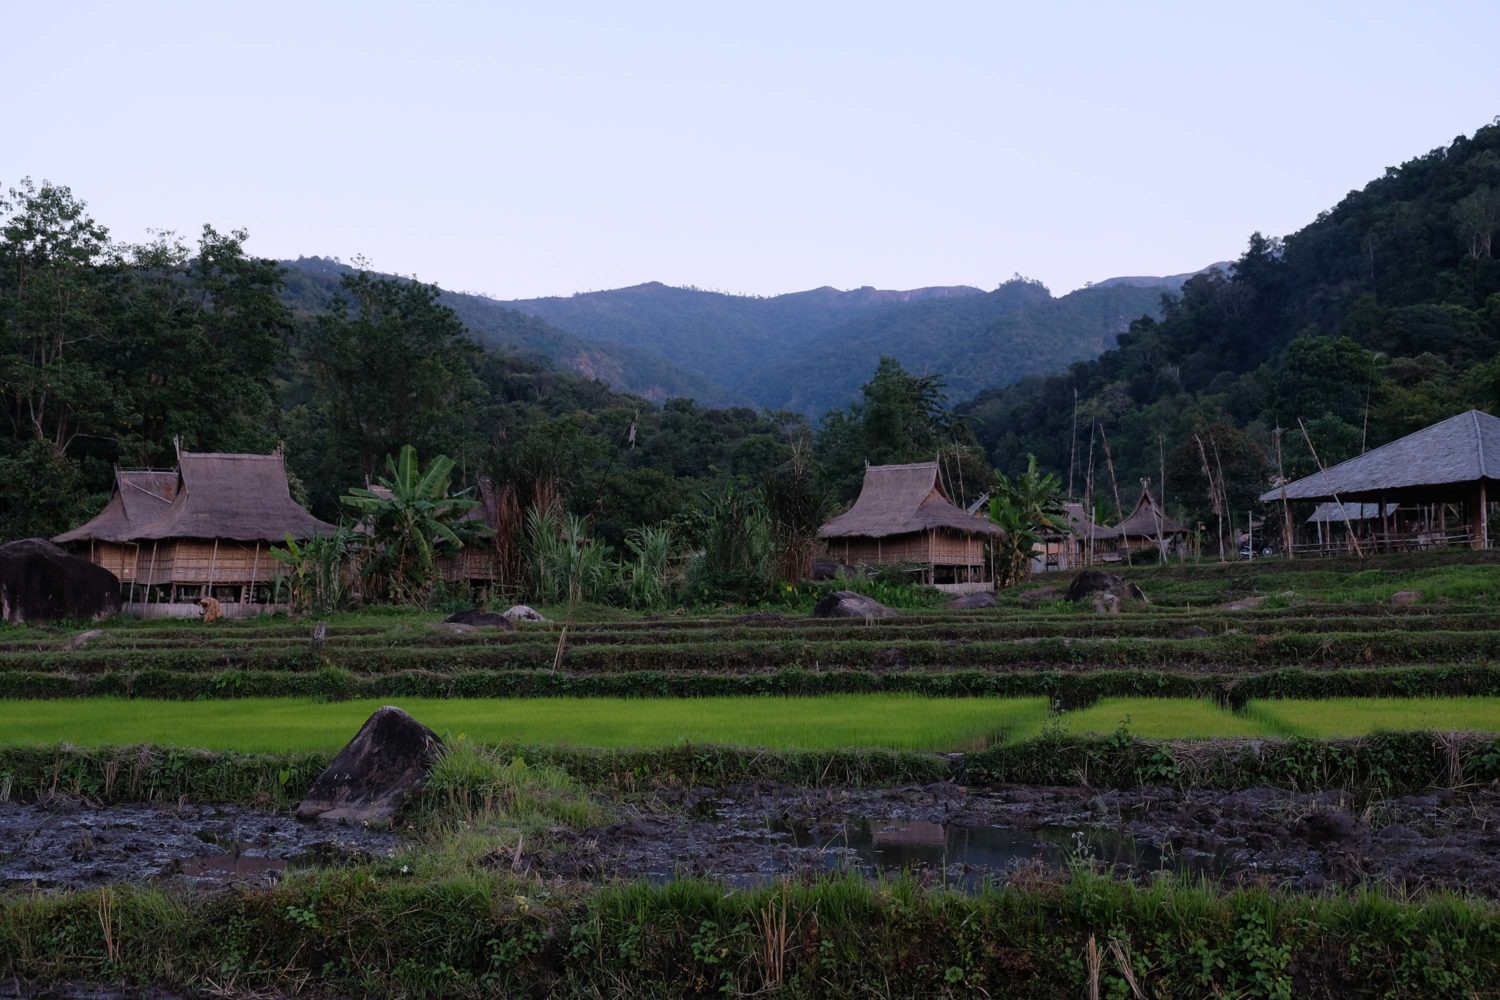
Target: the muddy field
(944, 834)
(68, 844)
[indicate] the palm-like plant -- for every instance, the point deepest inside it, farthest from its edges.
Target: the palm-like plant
(1024, 509)
(412, 519)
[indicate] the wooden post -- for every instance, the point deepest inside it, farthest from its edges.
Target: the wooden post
(1479, 519)
(151, 573)
(254, 572)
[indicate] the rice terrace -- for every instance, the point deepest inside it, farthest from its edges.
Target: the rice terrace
(563, 501)
(972, 790)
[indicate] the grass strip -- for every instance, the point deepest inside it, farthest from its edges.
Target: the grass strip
(1385, 762)
(381, 932)
(1065, 688)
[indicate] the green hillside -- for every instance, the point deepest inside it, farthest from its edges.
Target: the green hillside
(311, 283)
(1379, 317)
(810, 351)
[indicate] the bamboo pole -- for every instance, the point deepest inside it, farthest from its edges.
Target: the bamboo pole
(1358, 550)
(1109, 460)
(1286, 504)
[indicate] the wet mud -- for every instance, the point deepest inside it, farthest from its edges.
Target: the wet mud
(65, 844)
(945, 834)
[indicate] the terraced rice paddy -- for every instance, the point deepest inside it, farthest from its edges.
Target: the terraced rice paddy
(893, 722)
(1325, 742)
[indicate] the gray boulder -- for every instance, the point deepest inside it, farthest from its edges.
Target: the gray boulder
(376, 773)
(848, 604)
(40, 582)
(973, 602)
(477, 618)
(1406, 598)
(1039, 595)
(522, 613)
(1103, 591)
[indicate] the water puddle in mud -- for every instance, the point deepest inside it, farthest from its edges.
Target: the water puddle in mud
(953, 854)
(968, 856)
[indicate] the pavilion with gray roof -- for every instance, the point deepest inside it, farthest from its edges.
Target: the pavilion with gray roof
(1455, 461)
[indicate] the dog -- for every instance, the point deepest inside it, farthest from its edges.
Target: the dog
(212, 610)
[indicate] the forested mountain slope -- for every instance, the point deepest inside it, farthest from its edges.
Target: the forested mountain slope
(809, 351)
(1380, 316)
(311, 283)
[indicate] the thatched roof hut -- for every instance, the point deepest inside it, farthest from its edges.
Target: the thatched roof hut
(205, 530)
(903, 514)
(1148, 522)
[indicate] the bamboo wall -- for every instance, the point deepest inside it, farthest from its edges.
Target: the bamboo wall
(933, 548)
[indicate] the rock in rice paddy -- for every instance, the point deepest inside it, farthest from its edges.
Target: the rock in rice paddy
(973, 602)
(848, 604)
(376, 772)
(477, 618)
(40, 582)
(1406, 598)
(1103, 591)
(522, 613)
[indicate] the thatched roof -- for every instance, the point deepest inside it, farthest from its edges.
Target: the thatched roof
(1148, 520)
(1079, 524)
(140, 497)
(243, 498)
(900, 500)
(1462, 449)
(1332, 513)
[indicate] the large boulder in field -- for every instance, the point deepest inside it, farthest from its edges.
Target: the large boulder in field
(829, 569)
(973, 602)
(478, 618)
(523, 613)
(372, 777)
(848, 604)
(40, 582)
(1103, 591)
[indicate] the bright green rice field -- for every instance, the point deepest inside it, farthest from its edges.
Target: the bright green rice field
(836, 721)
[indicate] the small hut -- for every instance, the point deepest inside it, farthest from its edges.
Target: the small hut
(903, 515)
(1071, 548)
(1147, 524)
(1442, 466)
(211, 538)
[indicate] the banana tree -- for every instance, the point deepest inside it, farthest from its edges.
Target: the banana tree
(413, 519)
(1024, 508)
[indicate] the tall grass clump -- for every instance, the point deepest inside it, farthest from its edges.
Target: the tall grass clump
(477, 785)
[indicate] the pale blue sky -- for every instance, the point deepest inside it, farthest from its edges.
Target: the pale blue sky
(762, 148)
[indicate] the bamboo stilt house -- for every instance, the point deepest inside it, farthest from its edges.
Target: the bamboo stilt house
(212, 536)
(903, 515)
(1072, 548)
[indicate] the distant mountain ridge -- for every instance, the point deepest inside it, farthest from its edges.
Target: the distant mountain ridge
(807, 351)
(810, 351)
(311, 282)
